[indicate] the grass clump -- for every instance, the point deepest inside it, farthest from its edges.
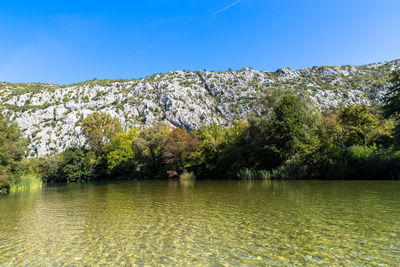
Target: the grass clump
(252, 174)
(187, 176)
(25, 183)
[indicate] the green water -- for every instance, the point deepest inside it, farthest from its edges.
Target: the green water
(219, 223)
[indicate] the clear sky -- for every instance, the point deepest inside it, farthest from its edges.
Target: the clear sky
(71, 41)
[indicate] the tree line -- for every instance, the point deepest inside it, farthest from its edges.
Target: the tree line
(290, 139)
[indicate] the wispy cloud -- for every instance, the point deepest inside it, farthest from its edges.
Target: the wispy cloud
(144, 50)
(225, 8)
(149, 47)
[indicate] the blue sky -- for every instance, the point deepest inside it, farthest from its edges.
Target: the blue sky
(71, 41)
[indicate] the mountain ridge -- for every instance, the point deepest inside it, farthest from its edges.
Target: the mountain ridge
(394, 61)
(49, 114)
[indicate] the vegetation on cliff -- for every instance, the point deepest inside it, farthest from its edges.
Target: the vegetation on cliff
(289, 139)
(50, 116)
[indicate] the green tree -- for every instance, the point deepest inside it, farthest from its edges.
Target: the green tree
(234, 152)
(148, 148)
(269, 99)
(179, 147)
(76, 165)
(391, 105)
(12, 151)
(50, 167)
(213, 140)
(348, 143)
(289, 131)
(99, 128)
(360, 127)
(331, 130)
(119, 153)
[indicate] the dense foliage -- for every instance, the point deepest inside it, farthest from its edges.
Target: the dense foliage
(99, 128)
(14, 168)
(289, 139)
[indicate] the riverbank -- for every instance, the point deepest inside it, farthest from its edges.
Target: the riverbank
(20, 184)
(290, 139)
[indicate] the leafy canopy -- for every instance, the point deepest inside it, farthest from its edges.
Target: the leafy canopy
(148, 148)
(361, 127)
(12, 148)
(99, 128)
(119, 152)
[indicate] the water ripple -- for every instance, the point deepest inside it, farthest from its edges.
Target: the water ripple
(204, 223)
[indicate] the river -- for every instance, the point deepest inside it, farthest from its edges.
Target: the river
(216, 223)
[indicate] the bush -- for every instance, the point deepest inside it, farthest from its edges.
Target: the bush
(4, 184)
(290, 169)
(72, 165)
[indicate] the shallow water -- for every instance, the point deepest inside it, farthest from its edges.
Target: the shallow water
(204, 223)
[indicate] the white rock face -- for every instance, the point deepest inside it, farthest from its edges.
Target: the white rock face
(50, 115)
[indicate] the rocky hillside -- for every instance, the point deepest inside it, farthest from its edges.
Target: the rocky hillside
(49, 115)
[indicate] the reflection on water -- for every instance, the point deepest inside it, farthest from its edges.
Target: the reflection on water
(204, 223)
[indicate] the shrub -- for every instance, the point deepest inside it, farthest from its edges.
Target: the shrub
(290, 169)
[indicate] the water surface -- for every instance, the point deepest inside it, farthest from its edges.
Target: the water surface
(215, 223)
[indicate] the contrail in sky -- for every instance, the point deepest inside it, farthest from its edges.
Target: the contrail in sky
(149, 47)
(225, 8)
(144, 50)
